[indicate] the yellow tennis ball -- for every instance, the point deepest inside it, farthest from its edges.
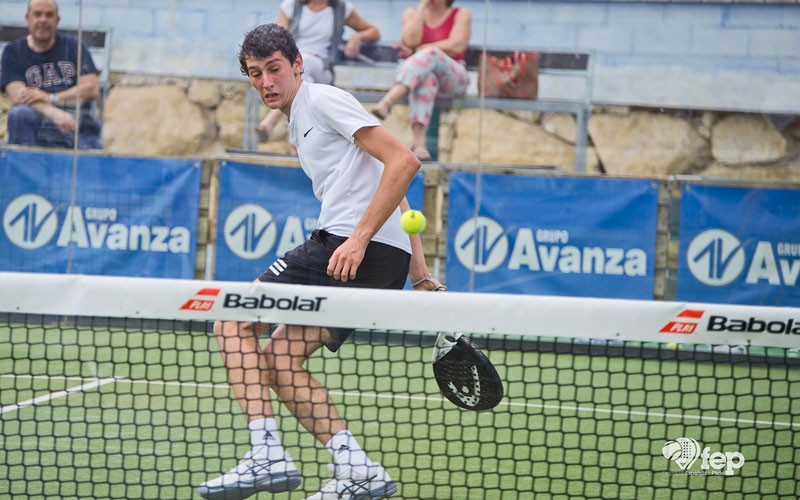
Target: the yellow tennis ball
(412, 221)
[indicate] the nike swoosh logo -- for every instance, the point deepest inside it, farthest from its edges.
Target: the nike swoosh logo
(307, 131)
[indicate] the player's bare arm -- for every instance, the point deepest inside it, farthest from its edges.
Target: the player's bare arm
(418, 268)
(400, 166)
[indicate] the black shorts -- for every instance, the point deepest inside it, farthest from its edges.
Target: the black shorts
(384, 266)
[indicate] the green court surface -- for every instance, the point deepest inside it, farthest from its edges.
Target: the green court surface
(118, 411)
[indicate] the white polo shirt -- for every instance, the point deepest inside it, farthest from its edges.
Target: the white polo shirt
(344, 178)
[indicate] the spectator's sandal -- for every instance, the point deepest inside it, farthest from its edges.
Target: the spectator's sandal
(381, 110)
(421, 152)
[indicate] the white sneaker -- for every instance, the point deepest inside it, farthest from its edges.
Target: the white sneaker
(355, 484)
(252, 476)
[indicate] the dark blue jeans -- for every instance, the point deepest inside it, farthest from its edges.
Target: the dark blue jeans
(28, 128)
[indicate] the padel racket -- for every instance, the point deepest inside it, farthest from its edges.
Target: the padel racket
(465, 375)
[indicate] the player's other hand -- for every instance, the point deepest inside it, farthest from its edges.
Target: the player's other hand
(429, 284)
(345, 260)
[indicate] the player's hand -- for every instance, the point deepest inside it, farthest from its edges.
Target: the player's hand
(429, 284)
(345, 260)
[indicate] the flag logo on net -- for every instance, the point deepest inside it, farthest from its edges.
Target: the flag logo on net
(684, 323)
(686, 451)
(203, 300)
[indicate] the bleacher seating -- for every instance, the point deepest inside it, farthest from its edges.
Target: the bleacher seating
(565, 86)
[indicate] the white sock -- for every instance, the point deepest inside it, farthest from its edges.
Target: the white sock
(346, 450)
(265, 440)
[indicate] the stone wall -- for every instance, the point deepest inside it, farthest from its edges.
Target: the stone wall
(728, 55)
(174, 117)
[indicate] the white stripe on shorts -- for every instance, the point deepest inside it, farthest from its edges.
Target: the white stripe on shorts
(278, 267)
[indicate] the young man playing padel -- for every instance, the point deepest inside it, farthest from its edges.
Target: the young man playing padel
(360, 172)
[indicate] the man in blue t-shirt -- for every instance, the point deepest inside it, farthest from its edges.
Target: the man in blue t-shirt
(39, 74)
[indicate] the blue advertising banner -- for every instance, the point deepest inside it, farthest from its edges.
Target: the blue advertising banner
(99, 215)
(552, 235)
(265, 211)
(739, 245)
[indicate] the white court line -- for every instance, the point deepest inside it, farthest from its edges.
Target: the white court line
(53, 395)
(680, 416)
(357, 394)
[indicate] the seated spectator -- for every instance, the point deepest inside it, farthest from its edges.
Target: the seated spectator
(435, 37)
(39, 73)
(317, 27)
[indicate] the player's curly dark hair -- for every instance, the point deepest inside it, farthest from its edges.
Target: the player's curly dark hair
(265, 40)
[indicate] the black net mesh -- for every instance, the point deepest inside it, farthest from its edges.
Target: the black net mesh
(99, 407)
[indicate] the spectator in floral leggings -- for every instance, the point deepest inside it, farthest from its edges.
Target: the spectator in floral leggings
(435, 36)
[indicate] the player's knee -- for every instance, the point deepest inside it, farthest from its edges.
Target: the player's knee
(233, 329)
(325, 336)
(275, 361)
(223, 328)
(272, 364)
(277, 377)
(280, 378)
(280, 368)
(271, 377)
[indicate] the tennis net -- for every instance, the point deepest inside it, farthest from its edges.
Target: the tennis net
(114, 387)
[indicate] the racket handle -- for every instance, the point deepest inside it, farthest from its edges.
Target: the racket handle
(443, 345)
